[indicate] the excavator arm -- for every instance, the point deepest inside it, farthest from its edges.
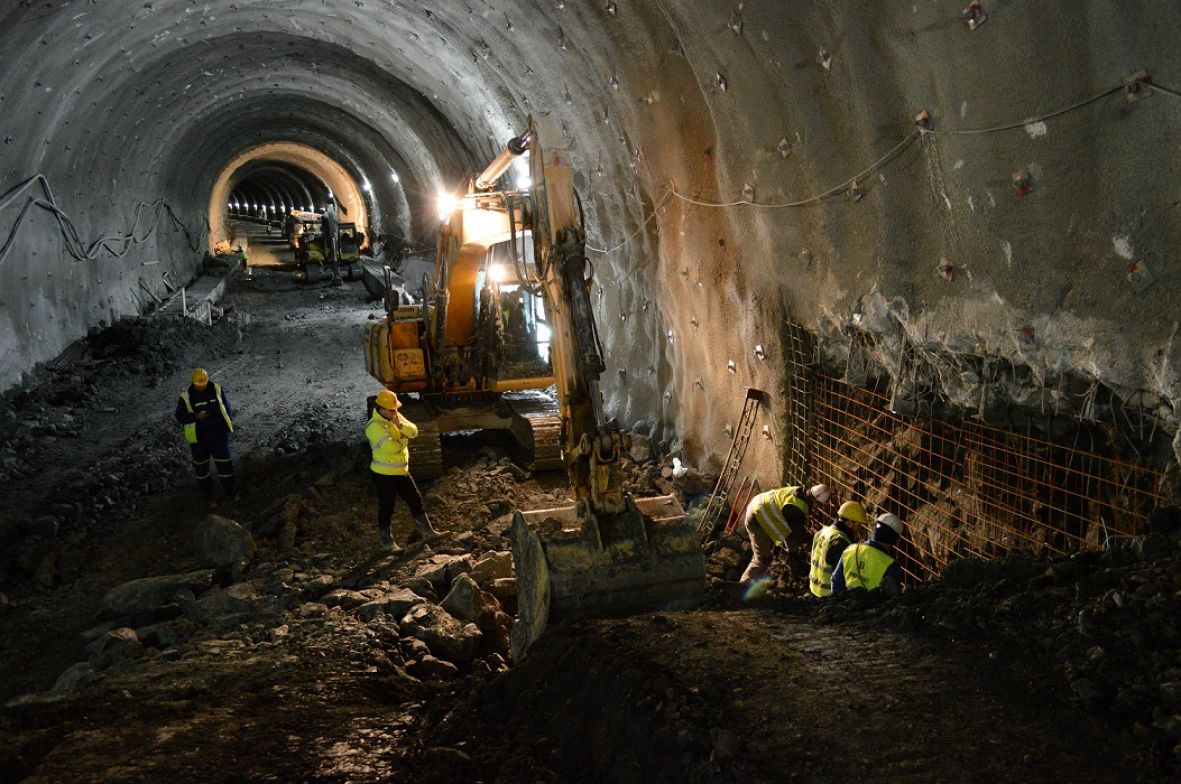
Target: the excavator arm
(609, 554)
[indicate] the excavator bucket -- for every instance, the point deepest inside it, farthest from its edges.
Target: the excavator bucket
(646, 558)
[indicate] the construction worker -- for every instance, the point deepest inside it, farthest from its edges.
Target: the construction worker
(775, 517)
(871, 565)
(330, 227)
(830, 541)
(389, 435)
(207, 417)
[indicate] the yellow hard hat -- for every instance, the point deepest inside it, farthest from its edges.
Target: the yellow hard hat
(851, 510)
(200, 378)
(388, 400)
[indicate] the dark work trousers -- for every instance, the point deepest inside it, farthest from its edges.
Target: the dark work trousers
(215, 448)
(389, 489)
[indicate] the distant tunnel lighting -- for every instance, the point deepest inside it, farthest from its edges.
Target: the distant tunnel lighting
(524, 181)
(394, 177)
(365, 184)
(447, 204)
(498, 273)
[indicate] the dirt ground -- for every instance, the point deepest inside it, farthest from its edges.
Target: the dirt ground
(273, 681)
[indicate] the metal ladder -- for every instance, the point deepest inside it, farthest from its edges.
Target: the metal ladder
(733, 461)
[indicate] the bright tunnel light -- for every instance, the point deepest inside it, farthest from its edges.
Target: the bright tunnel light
(447, 204)
(498, 273)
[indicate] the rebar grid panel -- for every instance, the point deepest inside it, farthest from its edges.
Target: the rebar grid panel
(970, 489)
(799, 364)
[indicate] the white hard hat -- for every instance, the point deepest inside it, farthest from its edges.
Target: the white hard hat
(893, 521)
(819, 492)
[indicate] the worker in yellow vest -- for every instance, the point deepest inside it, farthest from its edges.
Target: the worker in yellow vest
(830, 541)
(776, 517)
(389, 435)
(871, 566)
(204, 412)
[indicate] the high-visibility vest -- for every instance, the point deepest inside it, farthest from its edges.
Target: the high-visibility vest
(864, 566)
(820, 576)
(390, 444)
(191, 427)
(767, 508)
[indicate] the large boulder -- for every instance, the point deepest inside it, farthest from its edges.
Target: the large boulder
(440, 570)
(344, 598)
(447, 637)
(395, 603)
(431, 669)
(493, 566)
(76, 677)
(466, 601)
(141, 597)
(239, 603)
(223, 544)
(169, 634)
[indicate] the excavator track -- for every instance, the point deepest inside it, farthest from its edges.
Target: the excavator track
(426, 451)
(537, 427)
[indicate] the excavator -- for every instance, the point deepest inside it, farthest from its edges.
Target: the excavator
(512, 261)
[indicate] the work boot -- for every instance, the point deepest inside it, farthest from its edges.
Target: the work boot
(387, 540)
(424, 528)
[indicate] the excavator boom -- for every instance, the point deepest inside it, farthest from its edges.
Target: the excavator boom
(608, 554)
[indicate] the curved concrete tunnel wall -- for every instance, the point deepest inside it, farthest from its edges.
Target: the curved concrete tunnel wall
(771, 103)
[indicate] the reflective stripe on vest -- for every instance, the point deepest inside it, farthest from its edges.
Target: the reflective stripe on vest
(820, 576)
(864, 566)
(191, 427)
(767, 508)
(391, 450)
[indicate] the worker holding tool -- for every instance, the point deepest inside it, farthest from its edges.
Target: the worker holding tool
(205, 413)
(871, 565)
(777, 517)
(830, 541)
(389, 435)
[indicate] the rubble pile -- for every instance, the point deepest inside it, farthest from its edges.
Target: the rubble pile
(1109, 621)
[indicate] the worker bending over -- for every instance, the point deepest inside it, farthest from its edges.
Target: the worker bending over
(777, 517)
(207, 418)
(871, 565)
(389, 435)
(830, 541)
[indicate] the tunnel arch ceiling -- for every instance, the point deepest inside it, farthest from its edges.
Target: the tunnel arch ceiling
(779, 101)
(345, 187)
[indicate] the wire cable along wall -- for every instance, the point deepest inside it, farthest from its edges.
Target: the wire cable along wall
(971, 489)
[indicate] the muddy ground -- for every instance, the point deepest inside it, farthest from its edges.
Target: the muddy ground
(310, 655)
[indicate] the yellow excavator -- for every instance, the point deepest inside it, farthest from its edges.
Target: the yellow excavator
(475, 353)
(511, 313)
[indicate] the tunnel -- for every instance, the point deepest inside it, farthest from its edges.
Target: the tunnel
(918, 253)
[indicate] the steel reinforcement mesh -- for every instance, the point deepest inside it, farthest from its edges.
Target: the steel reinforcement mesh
(970, 489)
